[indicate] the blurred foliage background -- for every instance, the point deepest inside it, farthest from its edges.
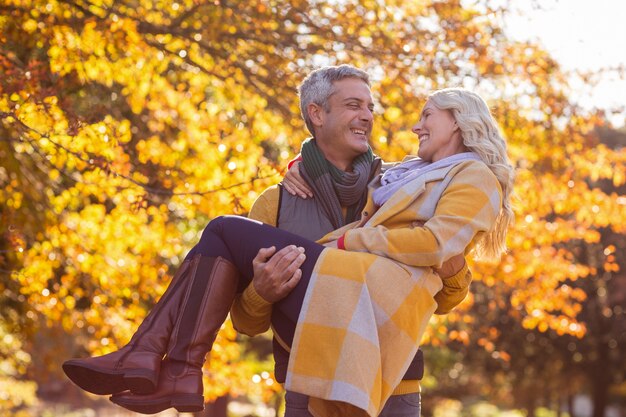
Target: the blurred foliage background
(125, 125)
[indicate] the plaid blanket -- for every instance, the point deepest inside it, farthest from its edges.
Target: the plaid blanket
(365, 312)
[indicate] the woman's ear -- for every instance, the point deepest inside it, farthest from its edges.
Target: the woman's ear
(315, 113)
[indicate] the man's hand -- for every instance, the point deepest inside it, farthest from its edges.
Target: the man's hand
(277, 273)
(451, 266)
(295, 184)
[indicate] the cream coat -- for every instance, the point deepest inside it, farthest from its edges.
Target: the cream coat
(374, 304)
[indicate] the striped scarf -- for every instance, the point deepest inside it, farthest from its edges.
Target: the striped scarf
(334, 188)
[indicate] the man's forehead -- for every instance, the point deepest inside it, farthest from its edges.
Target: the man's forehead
(352, 88)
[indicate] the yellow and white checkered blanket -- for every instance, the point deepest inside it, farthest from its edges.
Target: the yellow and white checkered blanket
(365, 312)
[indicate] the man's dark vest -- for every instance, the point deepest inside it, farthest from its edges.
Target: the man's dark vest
(302, 217)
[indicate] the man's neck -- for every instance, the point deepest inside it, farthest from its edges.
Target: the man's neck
(344, 164)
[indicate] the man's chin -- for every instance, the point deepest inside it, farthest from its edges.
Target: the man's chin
(361, 145)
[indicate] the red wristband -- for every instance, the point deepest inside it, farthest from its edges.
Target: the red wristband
(341, 244)
(293, 161)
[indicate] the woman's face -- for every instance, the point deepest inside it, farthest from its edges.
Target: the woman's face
(439, 135)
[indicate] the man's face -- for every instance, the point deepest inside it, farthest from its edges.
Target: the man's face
(346, 125)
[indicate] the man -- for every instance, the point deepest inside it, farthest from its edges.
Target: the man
(337, 163)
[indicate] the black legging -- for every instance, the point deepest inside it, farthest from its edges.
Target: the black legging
(239, 239)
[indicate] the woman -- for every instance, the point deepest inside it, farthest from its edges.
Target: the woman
(420, 213)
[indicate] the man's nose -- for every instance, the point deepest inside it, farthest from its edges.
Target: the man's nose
(367, 114)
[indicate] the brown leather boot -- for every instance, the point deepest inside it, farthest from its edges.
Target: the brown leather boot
(136, 366)
(203, 312)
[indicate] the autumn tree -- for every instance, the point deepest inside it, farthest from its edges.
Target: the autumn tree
(127, 125)
(541, 368)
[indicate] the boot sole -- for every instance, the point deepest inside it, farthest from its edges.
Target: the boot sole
(106, 382)
(184, 403)
(95, 381)
(141, 381)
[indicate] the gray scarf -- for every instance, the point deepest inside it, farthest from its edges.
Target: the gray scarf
(334, 188)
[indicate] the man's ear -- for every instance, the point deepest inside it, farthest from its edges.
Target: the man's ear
(315, 113)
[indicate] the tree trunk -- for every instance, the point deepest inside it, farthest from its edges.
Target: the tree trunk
(531, 405)
(278, 401)
(570, 405)
(601, 382)
(600, 396)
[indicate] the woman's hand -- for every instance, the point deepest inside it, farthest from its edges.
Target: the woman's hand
(295, 184)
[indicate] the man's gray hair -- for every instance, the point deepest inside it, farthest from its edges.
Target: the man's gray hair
(318, 86)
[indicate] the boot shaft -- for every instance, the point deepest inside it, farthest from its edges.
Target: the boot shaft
(153, 333)
(204, 310)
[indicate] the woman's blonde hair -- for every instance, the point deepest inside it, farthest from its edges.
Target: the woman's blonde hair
(481, 134)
